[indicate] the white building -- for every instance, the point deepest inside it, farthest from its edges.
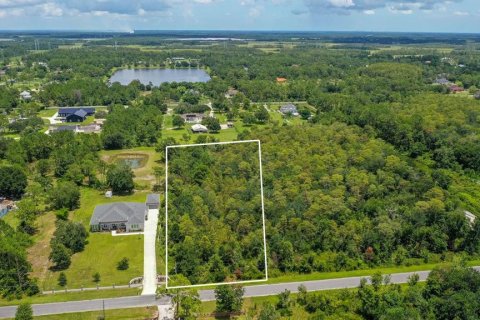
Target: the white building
(25, 95)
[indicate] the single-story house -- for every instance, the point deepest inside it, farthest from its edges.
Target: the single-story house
(289, 109)
(52, 129)
(25, 95)
(454, 88)
(442, 81)
(470, 217)
(281, 80)
(90, 128)
(477, 95)
(121, 216)
(198, 128)
(193, 117)
(77, 114)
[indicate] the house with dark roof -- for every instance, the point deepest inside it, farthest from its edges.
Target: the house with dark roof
(77, 114)
(289, 109)
(120, 216)
(193, 117)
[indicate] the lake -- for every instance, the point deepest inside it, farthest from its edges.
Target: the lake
(159, 76)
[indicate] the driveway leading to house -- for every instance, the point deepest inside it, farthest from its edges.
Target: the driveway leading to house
(53, 119)
(149, 256)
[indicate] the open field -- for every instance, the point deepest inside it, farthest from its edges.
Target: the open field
(47, 112)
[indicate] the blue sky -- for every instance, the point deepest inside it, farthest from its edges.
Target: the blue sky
(316, 15)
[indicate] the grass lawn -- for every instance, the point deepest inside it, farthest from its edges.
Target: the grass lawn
(74, 296)
(47, 112)
(102, 252)
(121, 314)
(144, 176)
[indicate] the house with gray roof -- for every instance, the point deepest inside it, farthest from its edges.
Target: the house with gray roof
(120, 216)
(289, 109)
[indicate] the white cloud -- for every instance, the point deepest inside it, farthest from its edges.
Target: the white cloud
(51, 9)
(255, 12)
(369, 12)
(461, 13)
(342, 3)
(397, 6)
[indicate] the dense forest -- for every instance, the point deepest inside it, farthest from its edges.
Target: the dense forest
(215, 217)
(450, 292)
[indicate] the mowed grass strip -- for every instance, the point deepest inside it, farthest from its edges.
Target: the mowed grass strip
(118, 314)
(73, 296)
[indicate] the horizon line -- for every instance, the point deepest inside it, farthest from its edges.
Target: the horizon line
(234, 30)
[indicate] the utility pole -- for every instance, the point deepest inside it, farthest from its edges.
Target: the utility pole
(103, 302)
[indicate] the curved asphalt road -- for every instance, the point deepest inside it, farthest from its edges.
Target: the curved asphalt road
(205, 295)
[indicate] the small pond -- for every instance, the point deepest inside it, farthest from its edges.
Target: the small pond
(159, 76)
(134, 161)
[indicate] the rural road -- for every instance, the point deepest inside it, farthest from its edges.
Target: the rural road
(205, 295)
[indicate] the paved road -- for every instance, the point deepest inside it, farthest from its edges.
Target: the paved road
(149, 257)
(205, 295)
(317, 285)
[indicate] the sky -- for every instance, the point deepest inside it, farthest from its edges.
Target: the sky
(295, 15)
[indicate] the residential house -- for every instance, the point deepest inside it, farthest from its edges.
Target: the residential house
(290, 109)
(477, 95)
(454, 88)
(281, 80)
(198, 128)
(193, 117)
(25, 95)
(470, 217)
(442, 81)
(120, 216)
(53, 129)
(77, 114)
(91, 128)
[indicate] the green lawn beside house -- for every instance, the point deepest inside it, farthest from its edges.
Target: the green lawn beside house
(103, 251)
